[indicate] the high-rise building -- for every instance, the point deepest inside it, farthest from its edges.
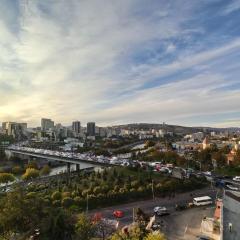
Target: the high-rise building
(91, 128)
(46, 124)
(17, 130)
(76, 127)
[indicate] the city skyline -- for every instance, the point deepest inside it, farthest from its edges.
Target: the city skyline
(120, 62)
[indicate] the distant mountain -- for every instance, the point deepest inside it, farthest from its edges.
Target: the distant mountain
(174, 128)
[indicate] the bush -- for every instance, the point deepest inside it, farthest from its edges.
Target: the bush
(67, 202)
(97, 190)
(32, 164)
(57, 203)
(56, 196)
(30, 173)
(45, 170)
(66, 194)
(17, 170)
(31, 195)
(6, 177)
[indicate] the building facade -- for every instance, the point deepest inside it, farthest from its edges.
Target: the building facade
(46, 124)
(91, 128)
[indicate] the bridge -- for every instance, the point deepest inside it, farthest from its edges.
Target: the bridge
(67, 160)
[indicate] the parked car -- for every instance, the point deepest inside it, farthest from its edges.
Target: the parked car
(161, 211)
(231, 187)
(118, 214)
(180, 207)
(237, 179)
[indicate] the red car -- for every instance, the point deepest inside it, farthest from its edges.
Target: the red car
(118, 214)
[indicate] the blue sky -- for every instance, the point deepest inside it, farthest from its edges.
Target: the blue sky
(120, 61)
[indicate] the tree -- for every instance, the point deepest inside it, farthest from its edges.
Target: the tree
(85, 230)
(22, 213)
(237, 158)
(220, 158)
(45, 170)
(30, 174)
(58, 225)
(32, 164)
(17, 170)
(134, 232)
(56, 196)
(67, 202)
(6, 177)
(155, 236)
(149, 143)
(19, 213)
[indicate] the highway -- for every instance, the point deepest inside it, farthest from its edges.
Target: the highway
(72, 160)
(148, 205)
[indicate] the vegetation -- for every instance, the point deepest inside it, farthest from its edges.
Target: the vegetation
(6, 177)
(45, 170)
(30, 174)
(21, 214)
(17, 170)
(109, 187)
(84, 228)
(135, 232)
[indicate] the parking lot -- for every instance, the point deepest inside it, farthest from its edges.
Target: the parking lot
(185, 224)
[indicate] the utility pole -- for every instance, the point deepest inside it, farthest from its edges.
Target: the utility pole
(87, 205)
(153, 191)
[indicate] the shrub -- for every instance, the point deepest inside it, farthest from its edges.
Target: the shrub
(57, 203)
(45, 170)
(6, 177)
(56, 196)
(66, 194)
(67, 202)
(17, 170)
(30, 173)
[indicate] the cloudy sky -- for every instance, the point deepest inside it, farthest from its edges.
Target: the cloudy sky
(114, 61)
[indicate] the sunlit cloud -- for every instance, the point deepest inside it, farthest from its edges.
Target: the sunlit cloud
(120, 62)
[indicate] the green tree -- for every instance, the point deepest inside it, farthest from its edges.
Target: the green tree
(155, 236)
(85, 230)
(6, 177)
(45, 170)
(132, 233)
(56, 196)
(220, 158)
(30, 174)
(17, 170)
(32, 164)
(67, 202)
(58, 225)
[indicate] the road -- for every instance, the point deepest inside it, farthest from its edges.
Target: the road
(148, 205)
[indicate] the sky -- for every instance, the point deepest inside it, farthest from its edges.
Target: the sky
(117, 62)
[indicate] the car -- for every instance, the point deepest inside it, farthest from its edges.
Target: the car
(161, 211)
(237, 179)
(231, 187)
(180, 207)
(118, 214)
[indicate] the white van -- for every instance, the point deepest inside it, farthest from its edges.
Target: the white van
(201, 201)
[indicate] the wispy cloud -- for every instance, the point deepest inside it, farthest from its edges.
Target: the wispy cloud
(125, 61)
(233, 6)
